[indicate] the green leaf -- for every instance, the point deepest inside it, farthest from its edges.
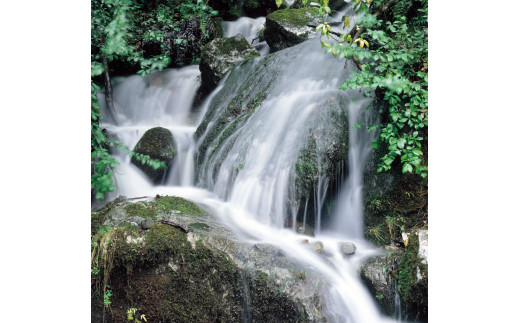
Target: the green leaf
(407, 168)
(401, 142)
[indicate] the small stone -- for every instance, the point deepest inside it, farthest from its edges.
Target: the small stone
(317, 246)
(348, 248)
(146, 224)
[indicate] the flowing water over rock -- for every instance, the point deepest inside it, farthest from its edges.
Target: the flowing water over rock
(242, 150)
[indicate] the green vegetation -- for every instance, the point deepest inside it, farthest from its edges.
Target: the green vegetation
(295, 17)
(394, 71)
(160, 273)
(119, 28)
(141, 209)
(413, 292)
(167, 204)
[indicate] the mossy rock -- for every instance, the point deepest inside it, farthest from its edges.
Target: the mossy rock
(289, 27)
(261, 8)
(157, 143)
(122, 212)
(228, 9)
(219, 56)
(171, 276)
(379, 274)
(412, 282)
(325, 152)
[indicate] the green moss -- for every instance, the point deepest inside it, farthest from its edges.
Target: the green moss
(261, 37)
(295, 17)
(160, 273)
(226, 45)
(413, 293)
(307, 167)
(169, 203)
(141, 209)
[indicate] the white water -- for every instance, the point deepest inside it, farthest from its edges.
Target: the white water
(249, 27)
(252, 201)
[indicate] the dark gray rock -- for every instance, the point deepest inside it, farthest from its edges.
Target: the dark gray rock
(157, 143)
(379, 276)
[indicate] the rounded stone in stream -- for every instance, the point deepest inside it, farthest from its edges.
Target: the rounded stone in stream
(317, 246)
(157, 143)
(348, 248)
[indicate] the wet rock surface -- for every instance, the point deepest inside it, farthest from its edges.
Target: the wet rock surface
(157, 143)
(170, 275)
(348, 248)
(219, 56)
(288, 27)
(377, 274)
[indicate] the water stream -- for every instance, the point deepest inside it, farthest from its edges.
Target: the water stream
(249, 179)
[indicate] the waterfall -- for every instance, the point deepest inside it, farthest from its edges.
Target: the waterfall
(248, 176)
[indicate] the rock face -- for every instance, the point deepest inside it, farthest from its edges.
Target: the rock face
(157, 143)
(405, 271)
(219, 56)
(288, 27)
(173, 276)
(378, 276)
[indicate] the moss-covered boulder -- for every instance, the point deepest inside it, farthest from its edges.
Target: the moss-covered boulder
(219, 56)
(412, 281)
(379, 274)
(289, 27)
(157, 143)
(260, 8)
(228, 9)
(405, 271)
(323, 155)
(203, 275)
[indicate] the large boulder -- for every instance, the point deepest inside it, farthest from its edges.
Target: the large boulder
(157, 143)
(219, 56)
(171, 275)
(402, 271)
(289, 27)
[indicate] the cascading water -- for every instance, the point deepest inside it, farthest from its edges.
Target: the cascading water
(248, 179)
(250, 28)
